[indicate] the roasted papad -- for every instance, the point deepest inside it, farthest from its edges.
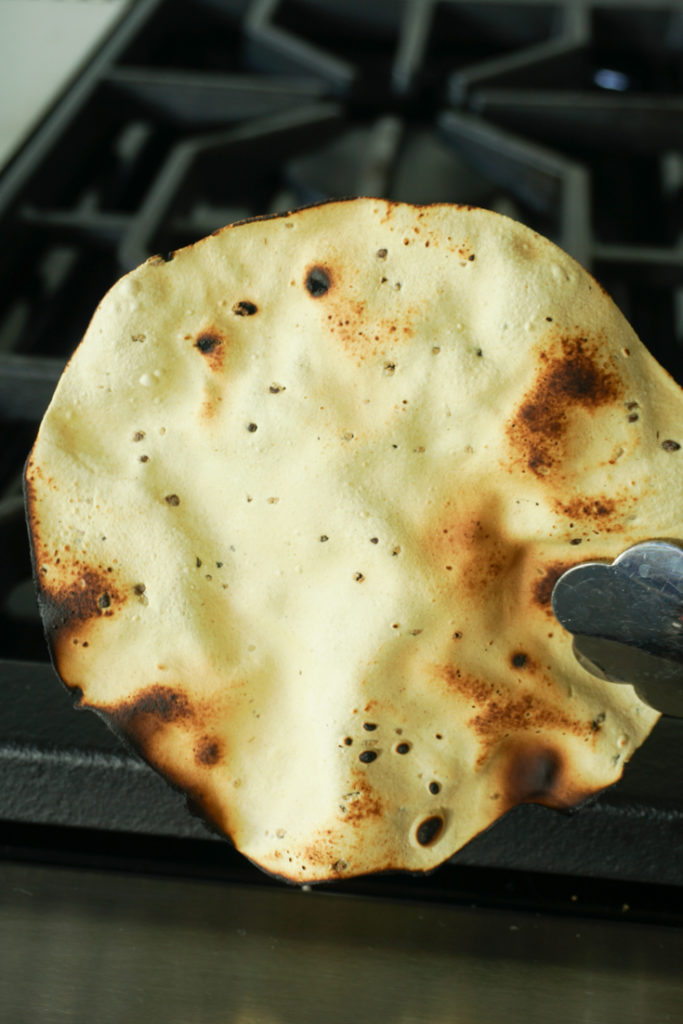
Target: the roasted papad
(297, 508)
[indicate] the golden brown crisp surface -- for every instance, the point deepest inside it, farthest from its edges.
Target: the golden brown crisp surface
(297, 509)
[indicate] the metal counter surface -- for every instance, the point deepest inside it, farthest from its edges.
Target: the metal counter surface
(82, 945)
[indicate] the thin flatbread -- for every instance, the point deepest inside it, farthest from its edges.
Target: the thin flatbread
(297, 508)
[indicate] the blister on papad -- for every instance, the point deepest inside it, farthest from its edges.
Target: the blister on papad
(297, 509)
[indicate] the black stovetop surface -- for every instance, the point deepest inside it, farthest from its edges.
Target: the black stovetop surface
(567, 117)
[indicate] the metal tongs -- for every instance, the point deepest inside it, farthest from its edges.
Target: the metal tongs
(627, 620)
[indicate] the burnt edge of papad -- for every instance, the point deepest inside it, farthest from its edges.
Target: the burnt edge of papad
(31, 526)
(192, 799)
(98, 595)
(343, 200)
(336, 878)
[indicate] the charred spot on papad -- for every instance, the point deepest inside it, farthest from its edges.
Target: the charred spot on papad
(572, 374)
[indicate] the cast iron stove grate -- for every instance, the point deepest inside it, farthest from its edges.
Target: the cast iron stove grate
(568, 117)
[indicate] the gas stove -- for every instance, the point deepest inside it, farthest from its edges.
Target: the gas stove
(567, 117)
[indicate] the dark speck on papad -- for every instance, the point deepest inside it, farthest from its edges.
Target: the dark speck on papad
(318, 281)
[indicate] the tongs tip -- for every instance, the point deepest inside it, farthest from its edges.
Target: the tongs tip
(626, 618)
